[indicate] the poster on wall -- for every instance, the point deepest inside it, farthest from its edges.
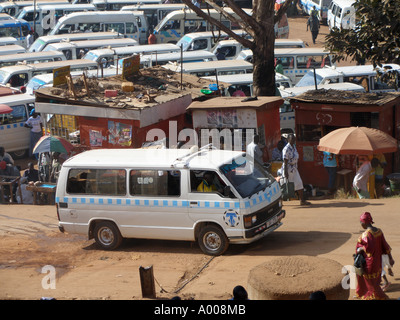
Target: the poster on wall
(222, 118)
(95, 137)
(119, 134)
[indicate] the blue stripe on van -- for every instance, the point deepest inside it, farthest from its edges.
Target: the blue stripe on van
(207, 204)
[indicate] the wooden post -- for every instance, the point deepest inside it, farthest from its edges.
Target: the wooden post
(147, 282)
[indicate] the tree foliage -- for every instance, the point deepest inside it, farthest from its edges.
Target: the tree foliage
(376, 36)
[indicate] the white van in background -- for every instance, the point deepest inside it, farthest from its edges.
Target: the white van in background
(15, 138)
(19, 75)
(152, 194)
(341, 14)
(109, 56)
(115, 5)
(98, 21)
(48, 15)
(321, 7)
(13, 8)
(365, 75)
(177, 57)
(212, 68)
(154, 13)
(11, 49)
(41, 42)
(6, 41)
(77, 49)
(31, 57)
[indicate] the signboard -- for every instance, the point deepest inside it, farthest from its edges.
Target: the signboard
(130, 66)
(60, 75)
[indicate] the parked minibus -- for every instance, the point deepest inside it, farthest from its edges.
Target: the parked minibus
(117, 21)
(46, 80)
(13, 8)
(31, 57)
(205, 40)
(321, 8)
(154, 13)
(365, 75)
(15, 138)
(177, 57)
(109, 56)
(41, 42)
(11, 49)
(152, 194)
(47, 15)
(341, 14)
(77, 49)
(6, 41)
(178, 23)
(232, 48)
(212, 68)
(18, 29)
(244, 83)
(19, 75)
(115, 5)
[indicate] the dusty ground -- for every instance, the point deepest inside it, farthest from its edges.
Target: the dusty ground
(30, 240)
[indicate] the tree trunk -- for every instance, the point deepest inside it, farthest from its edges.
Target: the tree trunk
(263, 49)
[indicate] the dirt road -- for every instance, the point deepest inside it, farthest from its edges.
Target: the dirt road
(30, 240)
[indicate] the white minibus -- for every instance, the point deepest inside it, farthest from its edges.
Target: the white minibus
(321, 8)
(365, 75)
(31, 57)
(41, 42)
(19, 75)
(117, 21)
(11, 49)
(46, 80)
(6, 41)
(115, 5)
(177, 57)
(18, 29)
(153, 194)
(212, 68)
(77, 49)
(341, 14)
(109, 56)
(232, 48)
(154, 13)
(47, 15)
(205, 40)
(15, 138)
(13, 8)
(178, 23)
(242, 84)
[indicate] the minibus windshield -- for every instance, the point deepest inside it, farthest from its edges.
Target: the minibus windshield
(246, 176)
(308, 79)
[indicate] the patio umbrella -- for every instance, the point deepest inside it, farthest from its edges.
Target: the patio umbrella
(357, 140)
(5, 109)
(52, 144)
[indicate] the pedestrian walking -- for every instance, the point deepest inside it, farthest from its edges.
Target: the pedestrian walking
(372, 245)
(313, 24)
(360, 181)
(35, 124)
(290, 170)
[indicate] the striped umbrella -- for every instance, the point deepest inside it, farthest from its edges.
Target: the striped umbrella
(52, 144)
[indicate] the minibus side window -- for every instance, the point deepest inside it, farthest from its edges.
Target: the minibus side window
(206, 181)
(97, 181)
(155, 182)
(17, 115)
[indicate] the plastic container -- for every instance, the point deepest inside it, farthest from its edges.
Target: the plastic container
(394, 179)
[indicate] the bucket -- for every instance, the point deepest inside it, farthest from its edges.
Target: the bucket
(394, 179)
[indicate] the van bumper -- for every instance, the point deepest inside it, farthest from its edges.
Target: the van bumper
(262, 230)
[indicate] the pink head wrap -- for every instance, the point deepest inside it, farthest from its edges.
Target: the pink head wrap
(366, 218)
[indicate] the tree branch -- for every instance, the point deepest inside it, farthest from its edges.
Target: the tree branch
(245, 42)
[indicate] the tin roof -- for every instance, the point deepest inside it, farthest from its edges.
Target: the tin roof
(236, 102)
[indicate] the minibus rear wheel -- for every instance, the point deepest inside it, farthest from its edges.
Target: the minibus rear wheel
(213, 240)
(107, 235)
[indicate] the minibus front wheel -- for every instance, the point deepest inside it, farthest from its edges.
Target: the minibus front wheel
(213, 240)
(107, 235)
